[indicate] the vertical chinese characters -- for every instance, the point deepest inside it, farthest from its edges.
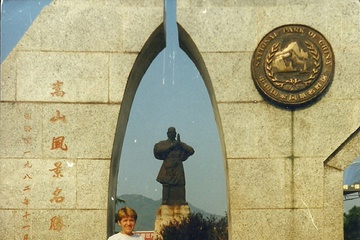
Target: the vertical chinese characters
(26, 201)
(58, 143)
(27, 139)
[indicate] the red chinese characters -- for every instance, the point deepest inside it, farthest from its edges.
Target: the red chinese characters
(57, 89)
(56, 223)
(26, 201)
(57, 198)
(58, 143)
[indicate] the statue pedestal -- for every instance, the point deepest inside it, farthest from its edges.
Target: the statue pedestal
(167, 213)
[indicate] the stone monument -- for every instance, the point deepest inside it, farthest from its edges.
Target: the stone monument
(51, 116)
(171, 175)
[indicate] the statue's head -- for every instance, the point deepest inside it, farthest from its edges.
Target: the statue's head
(171, 133)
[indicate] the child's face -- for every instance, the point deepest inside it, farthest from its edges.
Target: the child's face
(127, 225)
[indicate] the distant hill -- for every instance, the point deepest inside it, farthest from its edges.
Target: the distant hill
(146, 209)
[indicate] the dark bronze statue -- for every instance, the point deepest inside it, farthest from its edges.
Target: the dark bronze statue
(171, 175)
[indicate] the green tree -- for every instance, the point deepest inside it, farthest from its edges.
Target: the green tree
(352, 224)
(120, 200)
(197, 227)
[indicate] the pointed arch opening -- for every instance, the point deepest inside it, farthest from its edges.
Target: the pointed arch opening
(152, 48)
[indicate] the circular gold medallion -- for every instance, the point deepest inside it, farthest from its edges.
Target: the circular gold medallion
(293, 65)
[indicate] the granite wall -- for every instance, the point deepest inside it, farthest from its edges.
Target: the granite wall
(67, 77)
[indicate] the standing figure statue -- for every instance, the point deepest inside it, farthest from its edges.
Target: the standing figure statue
(171, 175)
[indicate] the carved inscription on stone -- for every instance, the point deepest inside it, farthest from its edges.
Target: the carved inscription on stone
(293, 65)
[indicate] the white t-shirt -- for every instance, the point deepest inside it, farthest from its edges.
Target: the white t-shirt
(121, 236)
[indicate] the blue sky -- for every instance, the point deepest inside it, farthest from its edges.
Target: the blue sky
(182, 102)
